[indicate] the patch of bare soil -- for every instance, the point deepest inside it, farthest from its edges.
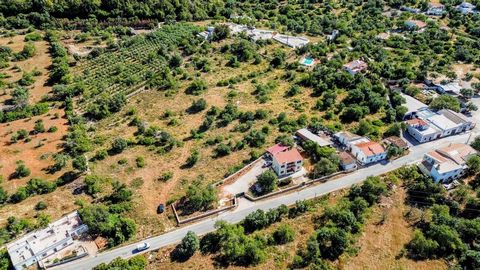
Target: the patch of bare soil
(36, 154)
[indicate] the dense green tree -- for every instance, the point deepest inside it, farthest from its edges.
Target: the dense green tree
(199, 197)
(445, 102)
(278, 58)
(267, 181)
(189, 245)
(421, 247)
(197, 87)
(325, 167)
(332, 242)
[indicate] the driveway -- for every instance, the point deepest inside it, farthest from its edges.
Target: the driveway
(243, 183)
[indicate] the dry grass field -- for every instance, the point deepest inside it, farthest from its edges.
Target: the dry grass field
(41, 61)
(380, 245)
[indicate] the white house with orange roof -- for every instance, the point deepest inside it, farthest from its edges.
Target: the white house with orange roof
(355, 66)
(287, 162)
(415, 24)
(447, 163)
(368, 152)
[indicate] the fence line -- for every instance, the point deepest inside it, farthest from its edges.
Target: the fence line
(206, 214)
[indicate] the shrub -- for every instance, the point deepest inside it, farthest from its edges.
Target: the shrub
(283, 234)
(118, 145)
(93, 184)
(198, 106)
(41, 205)
(197, 87)
(34, 36)
(80, 163)
(100, 154)
(140, 161)
(52, 129)
(222, 150)
(165, 176)
(21, 170)
(193, 158)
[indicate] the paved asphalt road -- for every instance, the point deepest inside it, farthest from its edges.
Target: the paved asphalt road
(245, 207)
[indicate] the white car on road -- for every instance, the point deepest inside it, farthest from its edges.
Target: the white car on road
(143, 246)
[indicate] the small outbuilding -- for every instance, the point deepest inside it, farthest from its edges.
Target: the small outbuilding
(397, 142)
(347, 162)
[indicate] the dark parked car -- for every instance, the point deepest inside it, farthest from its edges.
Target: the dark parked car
(161, 208)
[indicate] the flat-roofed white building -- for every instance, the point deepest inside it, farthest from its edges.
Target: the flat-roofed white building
(36, 246)
(429, 125)
(422, 131)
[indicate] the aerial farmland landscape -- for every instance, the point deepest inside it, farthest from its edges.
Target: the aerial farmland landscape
(225, 134)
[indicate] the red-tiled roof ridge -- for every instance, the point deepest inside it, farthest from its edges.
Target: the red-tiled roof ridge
(277, 148)
(417, 121)
(288, 156)
(370, 148)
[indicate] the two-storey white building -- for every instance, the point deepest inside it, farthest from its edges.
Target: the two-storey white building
(447, 163)
(287, 162)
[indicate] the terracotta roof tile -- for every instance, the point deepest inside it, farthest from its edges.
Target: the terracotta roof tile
(277, 148)
(291, 155)
(370, 148)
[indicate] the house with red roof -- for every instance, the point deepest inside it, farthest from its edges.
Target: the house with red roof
(277, 148)
(415, 24)
(355, 66)
(368, 152)
(287, 162)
